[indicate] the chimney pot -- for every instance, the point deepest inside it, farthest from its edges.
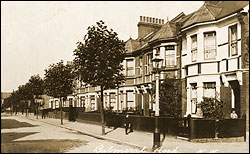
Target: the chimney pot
(147, 19)
(140, 18)
(162, 20)
(150, 19)
(156, 20)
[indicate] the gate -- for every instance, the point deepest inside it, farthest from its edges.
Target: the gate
(184, 127)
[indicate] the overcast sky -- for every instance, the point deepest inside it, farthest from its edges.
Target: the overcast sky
(37, 34)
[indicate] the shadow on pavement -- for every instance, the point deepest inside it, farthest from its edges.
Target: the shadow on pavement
(110, 130)
(11, 123)
(10, 137)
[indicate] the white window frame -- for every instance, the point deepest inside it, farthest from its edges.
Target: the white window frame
(170, 55)
(209, 85)
(194, 49)
(233, 43)
(112, 100)
(210, 50)
(130, 70)
(193, 99)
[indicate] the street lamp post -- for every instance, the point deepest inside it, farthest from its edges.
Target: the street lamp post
(157, 65)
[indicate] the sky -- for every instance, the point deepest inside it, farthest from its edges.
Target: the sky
(35, 34)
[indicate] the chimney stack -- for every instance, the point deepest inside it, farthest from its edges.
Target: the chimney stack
(151, 20)
(147, 25)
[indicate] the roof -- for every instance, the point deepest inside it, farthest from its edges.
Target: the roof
(214, 11)
(168, 30)
(131, 45)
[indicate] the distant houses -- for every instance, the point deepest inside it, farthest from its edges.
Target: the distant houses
(4, 95)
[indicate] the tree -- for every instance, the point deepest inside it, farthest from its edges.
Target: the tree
(22, 95)
(98, 60)
(36, 89)
(170, 97)
(58, 82)
(36, 85)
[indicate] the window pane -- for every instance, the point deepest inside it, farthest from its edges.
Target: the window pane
(209, 89)
(130, 96)
(194, 42)
(210, 45)
(233, 41)
(194, 90)
(194, 47)
(234, 33)
(184, 44)
(112, 96)
(194, 55)
(194, 97)
(130, 63)
(170, 55)
(130, 72)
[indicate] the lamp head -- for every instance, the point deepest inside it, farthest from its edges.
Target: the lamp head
(157, 61)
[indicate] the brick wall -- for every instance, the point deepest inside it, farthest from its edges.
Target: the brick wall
(244, 21)
(225, 95)
(245, 97)
(184, 97)
(146, 28)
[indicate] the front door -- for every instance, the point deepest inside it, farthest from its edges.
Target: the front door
(235, 96)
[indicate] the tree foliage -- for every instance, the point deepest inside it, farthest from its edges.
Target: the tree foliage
(58, 80)
(36, 85)
(212, 108)
(170, 97)
(25, 92)
(98, 59)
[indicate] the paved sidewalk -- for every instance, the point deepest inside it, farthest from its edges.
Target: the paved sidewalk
(144, 140)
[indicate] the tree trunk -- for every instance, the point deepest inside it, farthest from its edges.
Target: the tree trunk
(117, 106)
(102, 112)
(61, 111)
(27, 104)
(36, 110)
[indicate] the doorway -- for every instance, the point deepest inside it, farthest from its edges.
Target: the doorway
(235, 96)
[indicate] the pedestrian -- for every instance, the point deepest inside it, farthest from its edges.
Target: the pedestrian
(128, 125)
(233, 115)
(43, 114)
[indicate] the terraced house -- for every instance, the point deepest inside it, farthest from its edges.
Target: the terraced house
(207, 49)
(215, 56)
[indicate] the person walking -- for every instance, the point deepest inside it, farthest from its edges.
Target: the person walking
(128, 125)
(43, 114)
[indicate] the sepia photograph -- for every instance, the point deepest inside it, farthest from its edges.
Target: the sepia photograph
(124, 76)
